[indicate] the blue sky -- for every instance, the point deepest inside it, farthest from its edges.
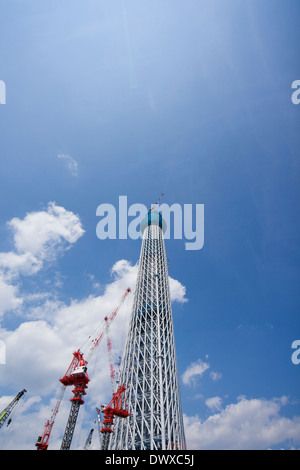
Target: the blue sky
(189, 98)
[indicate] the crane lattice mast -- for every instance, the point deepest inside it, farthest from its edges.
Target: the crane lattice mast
(4, 415)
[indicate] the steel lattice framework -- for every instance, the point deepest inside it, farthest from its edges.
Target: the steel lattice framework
(149, 369)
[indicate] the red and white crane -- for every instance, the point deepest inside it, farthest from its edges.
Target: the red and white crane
(117, 405)
(43, 440)
(153, 207)
(76, 375)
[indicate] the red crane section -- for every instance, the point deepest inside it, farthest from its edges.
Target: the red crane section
(77, 371)
(43, 441)
(77, 375)
(109, 348)
(116, 407)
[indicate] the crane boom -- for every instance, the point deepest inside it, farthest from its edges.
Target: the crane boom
(43, 440)
(89, 440)
(152, 208)
(8, 410)
(109, 350)
(108, 321)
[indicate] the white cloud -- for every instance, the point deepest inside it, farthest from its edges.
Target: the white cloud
(195, 369)
(41, 307)
(9, 299)
(215, 375)
(38, 238)
(177, 291)
(40, 233)
(72, 165)
(198, 368)
(214, 403)
(247, 424)
(19, 263)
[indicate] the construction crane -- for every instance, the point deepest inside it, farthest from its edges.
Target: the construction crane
(117, 406)
(43, 440)
(152, 208)
(8, 410)
(77, 375)
(109, 349)
(88, 440)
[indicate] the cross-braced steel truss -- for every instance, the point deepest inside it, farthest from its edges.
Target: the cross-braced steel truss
(149, 369)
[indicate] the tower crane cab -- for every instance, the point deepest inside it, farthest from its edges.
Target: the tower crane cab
(80, 372)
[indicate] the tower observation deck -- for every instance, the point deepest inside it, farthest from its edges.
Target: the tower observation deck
(149, 368)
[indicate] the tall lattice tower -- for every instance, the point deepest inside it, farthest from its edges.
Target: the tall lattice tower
(149, 369)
